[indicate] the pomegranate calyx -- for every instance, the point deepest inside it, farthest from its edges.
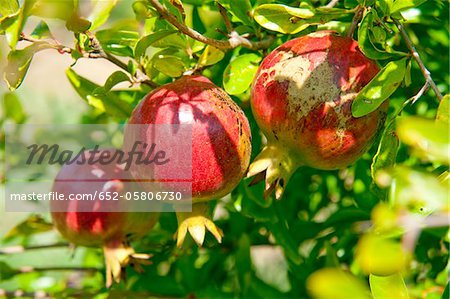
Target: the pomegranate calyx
(196, 223)
(278, 165)
(119, 255)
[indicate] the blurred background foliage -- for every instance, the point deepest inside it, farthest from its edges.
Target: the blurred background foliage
(378, 228)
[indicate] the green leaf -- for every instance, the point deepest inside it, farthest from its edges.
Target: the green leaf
(8, 7)
(147, 41)
(169, 65)
(100, 12)
(142, 10)
(400, 5)
(211, 55)
(334, 283)
(239, 73)
(407, 79)
(380, 255)
(77, 24)
(41, 31)
(114, 79)
(387, 150)
(18, 63)
(443, 112)
(418, 192)
(282, 18)
(379, 88)
(108, 102)
(118, 41)
(365, 41)
(63, 9)
(6, 272)
(13, 23)
(13, 108)
(242, 9)
(430, 139)
(386, 287)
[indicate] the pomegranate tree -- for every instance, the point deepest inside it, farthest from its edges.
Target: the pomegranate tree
(221, 144)
(99, 223)
(302, 97)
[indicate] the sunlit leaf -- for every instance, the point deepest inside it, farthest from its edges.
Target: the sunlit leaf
(240, 72)
(387, 150)
(109, 102)
(13, 108)
(62, 9)
(443, 112)
(114, 79)
(171, 66)
(41, 31)
(8, 7)
(419, 192)
(118, 41)
(210, 56)
(282, 18)
(379, 255)
(34, 224)
(142, 10)
(18, 63)
(77, 24)
(379, 88)
(334, 283)
(386, 287)
(400, 5)
(429, 139)
(100, 13)
(148, 40)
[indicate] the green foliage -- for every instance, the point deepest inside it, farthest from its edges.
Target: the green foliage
(381, 222)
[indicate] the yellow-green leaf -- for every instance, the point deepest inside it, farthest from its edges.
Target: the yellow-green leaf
(387, 287)
(239, 73)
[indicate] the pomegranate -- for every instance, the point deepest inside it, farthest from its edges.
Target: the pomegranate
(97, 223)
(301, 99)
(221, 144)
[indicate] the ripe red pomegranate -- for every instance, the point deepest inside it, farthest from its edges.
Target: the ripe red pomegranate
(221, 144)
(99, 223)
(301, 99)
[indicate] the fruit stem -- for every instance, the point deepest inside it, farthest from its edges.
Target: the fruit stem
(356, 19)
(277, 164)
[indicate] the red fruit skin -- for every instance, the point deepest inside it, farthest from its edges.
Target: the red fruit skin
(302, 96)
(221, 140)
(90, 227)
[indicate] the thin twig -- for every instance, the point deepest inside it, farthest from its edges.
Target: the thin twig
(332, 4)
(29, 269)
(226, 19)
(417, 58)
(356, 19)
(234, 41)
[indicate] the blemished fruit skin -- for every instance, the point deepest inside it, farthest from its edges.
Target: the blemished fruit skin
(221, 140)
(100, 223)
(79, 222)
(302, 97)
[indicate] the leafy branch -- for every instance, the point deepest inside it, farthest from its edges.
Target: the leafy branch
(235, 40)
(96, 52)
(415, 55)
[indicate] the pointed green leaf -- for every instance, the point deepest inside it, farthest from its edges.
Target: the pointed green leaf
(240, 72)
(148, 40)
(108, 102)
(18, 63)
(387, 150)
(100, 12)
(114, 79)
(379, 88)
(211, 55)
(387, 287)
(41, 31)
(169, 65)
(118, 41)
(242, 9)
(8, 7)
(443, 112)
(282, 18)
